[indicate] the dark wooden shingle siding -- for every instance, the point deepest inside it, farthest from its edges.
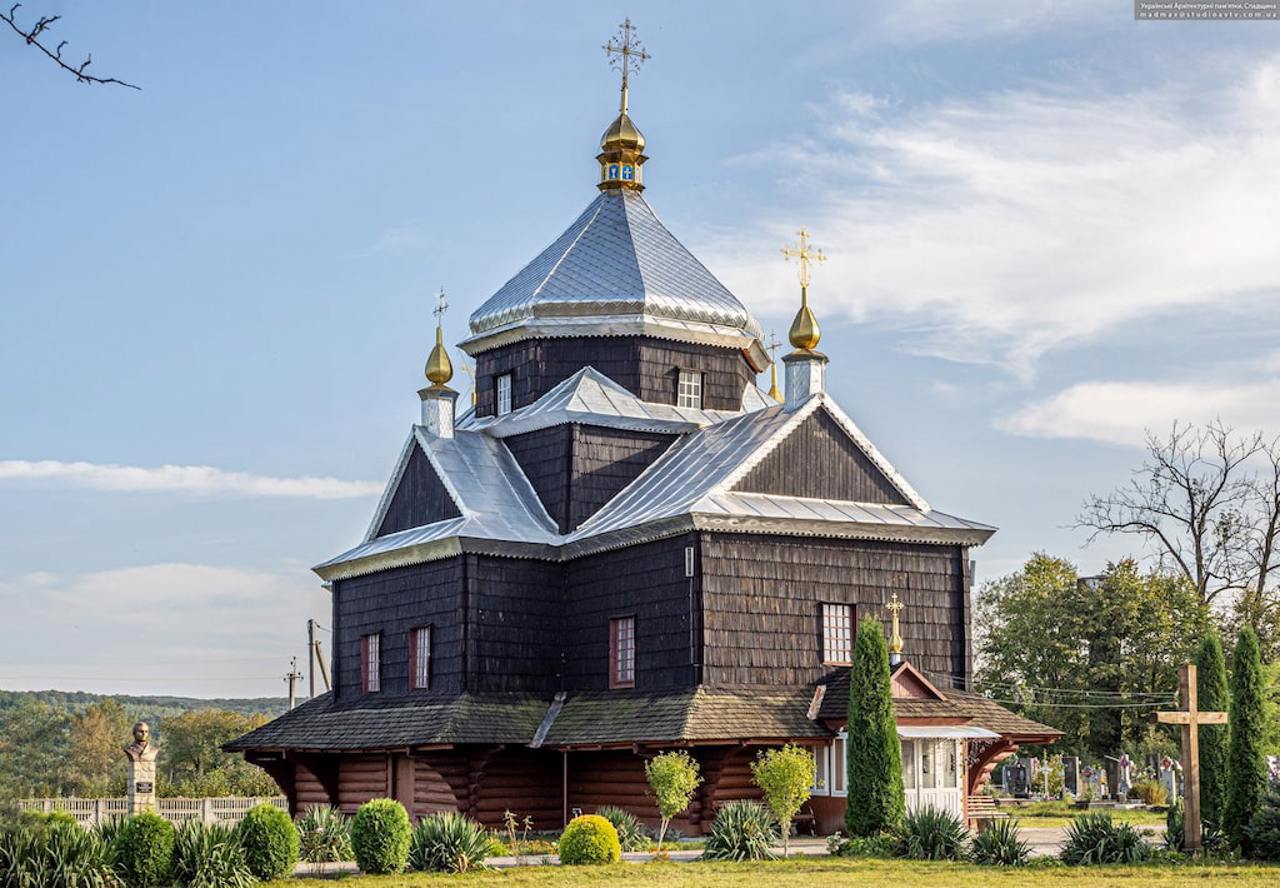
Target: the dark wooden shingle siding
(644, 366)
(762, 595)
(646, 581)
(517, 617)
(819, 460)
(420, 498)
(576, 469)
(393, 602)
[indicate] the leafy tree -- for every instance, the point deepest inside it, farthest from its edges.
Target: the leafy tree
(1246, 765)
(876, 801)
(33, 744)
(96, 737)
(785, 776)
(673, 778)
(193, 760)
(1213, 696)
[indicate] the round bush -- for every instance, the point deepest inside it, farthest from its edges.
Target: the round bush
(144, 851)
(589, 839)
(380, 834)
(631, 834)
(270, 841)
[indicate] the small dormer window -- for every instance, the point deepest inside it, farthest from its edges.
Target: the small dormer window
(503, 387)
(689, 389)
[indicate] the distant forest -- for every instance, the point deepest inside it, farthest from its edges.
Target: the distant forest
(64, 743)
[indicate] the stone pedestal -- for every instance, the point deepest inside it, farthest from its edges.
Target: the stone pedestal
(141, 756)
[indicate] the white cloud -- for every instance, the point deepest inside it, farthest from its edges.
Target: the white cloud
(1120, 412)
(184, 479)
(928, 20)
(998, 228)
(174, 627)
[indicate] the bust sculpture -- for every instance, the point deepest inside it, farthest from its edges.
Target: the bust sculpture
(141, 750)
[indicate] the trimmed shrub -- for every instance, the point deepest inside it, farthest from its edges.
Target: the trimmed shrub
(1213, 696)
(270, 841)
(448, 842)
(210, 857)
(589, 839)
(1094, 838)
(879, 847)
(324, 835)
(742, 831)
(54, 854)
(1151, 792)
(876, 801)
(673, 779)
(144, 851)
(785, 776)
(931, 834)
(1264, 828)
(1000, 844)
(631, 834)
(380, 835)
(1246, 765)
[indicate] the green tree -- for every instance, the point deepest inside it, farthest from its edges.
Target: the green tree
(785, 776)
(1212, 695)
(876, 801)
(194, 763)
(96, 736)
(673, 778)
(33, 750)
(1246, 765)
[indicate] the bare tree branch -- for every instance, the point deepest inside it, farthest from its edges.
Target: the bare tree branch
(33, 39)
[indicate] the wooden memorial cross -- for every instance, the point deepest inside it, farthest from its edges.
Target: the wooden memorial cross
(1190, 718)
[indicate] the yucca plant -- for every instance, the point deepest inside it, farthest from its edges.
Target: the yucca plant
(54, 855)
(1000, 844)
(631, 834)
(930, 833)
(448, 842)
(1094, 838)
(742, 831)
(325, 835)
(210, 857)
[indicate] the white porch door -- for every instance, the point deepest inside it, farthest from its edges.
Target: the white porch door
(932, 774)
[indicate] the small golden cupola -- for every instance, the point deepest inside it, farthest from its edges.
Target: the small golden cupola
(438, 400)
(806, 368)
(439, 368)
(621, 154)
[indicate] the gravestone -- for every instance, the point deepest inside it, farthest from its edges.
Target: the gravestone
(1071, 774)
(141, 755)
(1124, 777)
(1169, 778)
(1016, 778)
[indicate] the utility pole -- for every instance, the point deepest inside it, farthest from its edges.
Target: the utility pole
(292, 679)
(324, 669)
(311, 657)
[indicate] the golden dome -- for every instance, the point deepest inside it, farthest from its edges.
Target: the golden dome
(805, 332)
(622, 134)
(439, 367)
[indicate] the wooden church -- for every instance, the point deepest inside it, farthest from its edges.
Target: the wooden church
(625, 547)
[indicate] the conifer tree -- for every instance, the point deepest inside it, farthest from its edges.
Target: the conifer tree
(1246, 765)
(1212, 694)
(875, 801)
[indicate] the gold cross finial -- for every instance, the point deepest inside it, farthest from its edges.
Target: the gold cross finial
(773, 345)
(442, 305)
(805, 253)
(625, 53)
(772, 348)
(895, 607)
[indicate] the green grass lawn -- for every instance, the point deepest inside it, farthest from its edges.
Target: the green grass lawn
(1046, 814)
(823, 871)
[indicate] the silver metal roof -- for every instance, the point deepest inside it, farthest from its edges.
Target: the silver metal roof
(615, 271)
(689, 486)
(591, 398)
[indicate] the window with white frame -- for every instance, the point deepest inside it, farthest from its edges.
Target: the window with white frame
(948, 763)
(908, 764)
(838, 746)
(503, 391)
(837, 634)
(689, 389)
(821, 782)
(622, 652)
(420, 658)
(371, 662)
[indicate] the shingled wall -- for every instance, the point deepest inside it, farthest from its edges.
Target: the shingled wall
(420, 498)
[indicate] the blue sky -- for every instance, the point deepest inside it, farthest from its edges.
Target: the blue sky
(1049, 228)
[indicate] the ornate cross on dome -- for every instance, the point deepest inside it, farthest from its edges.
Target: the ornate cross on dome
(442, 305)
(625, 53)
(895, 608)
(805, 253)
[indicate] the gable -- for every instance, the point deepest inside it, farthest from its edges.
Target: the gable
(819, 460)
(420, 497)
(543, 456)
(908, 683)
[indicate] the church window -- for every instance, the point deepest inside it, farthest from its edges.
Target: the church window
(371, 662)
(689, 389)
(420, 658)
(504, 394)
(622, 652)
(628, 172)
(837, 634)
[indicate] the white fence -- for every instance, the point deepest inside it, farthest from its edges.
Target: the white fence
(90, 811)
